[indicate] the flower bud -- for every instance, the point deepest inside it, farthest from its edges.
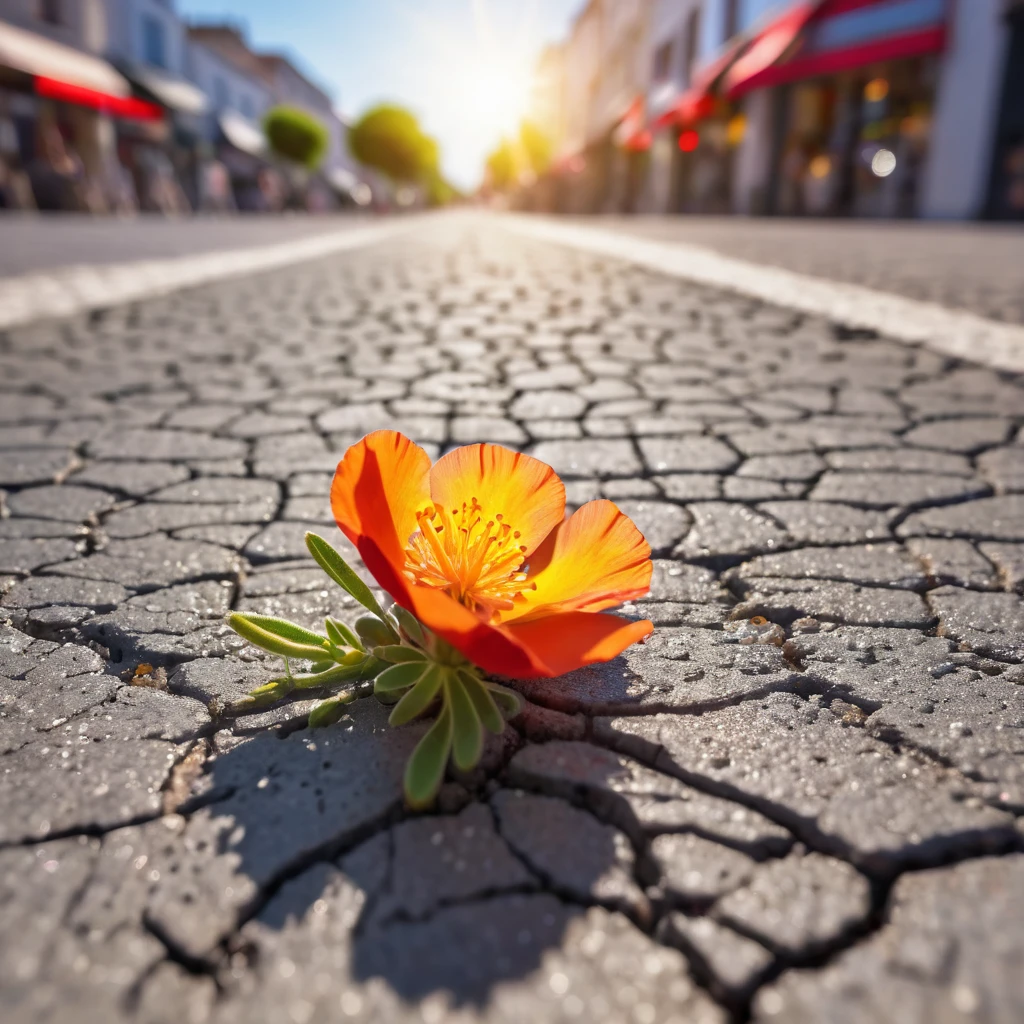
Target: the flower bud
(372, 631)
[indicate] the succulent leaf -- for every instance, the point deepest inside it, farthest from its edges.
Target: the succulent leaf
(398, 653)
(425, 769)
(467, 732)
(419, 698)
(399, 677)
(329, 711)
(483, 702)
(342, 573)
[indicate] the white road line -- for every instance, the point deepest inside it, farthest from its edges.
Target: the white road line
(952, 332)
(69, 290)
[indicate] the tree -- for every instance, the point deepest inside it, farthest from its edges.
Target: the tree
(536, 147)
(502, 166)
(296, 135)
(389, 139)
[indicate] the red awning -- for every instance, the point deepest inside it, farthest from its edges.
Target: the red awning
(767, 49)
(692, 106)
(698, 101)
(116, 106)
(791, 48)
(910, 44)
(638, 142)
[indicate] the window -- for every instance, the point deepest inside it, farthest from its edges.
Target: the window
(221, 97)
(692, 42)
(731, 19)
(663, 62)
(49, 11)
(154, 50)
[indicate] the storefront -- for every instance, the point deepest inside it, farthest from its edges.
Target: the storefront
(694, 141)
(853, 92)
(165, 158)
(254, 184)
(633, 143)
(60, 105)
(1006, 191)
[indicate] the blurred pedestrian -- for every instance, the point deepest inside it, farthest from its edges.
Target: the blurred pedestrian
(56, 173)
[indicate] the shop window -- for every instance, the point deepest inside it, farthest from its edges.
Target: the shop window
(49, 11)
(154, 48)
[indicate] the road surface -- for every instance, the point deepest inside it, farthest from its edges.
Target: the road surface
(814, 818)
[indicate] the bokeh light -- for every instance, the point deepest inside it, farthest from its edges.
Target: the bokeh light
(689, 140)
(883, 163)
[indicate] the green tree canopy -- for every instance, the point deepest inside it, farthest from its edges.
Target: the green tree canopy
(502, 166)
(296, 135)
(389, 139)
(536, 147)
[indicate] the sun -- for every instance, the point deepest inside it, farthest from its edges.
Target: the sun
(495, 96)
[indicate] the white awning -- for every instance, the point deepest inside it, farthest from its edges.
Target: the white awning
(170, 90)
(242, 134)
(33, 54)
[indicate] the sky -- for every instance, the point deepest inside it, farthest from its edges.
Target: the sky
(463, 66)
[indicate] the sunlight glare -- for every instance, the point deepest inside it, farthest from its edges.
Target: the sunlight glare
(494, 95)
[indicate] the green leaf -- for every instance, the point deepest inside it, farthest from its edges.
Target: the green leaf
(398, 653)
(274, 690)
(419, 698)
(329, 711)
(272, 643)
(425, 769)
(467, 732)
(341, 634)
(508, 700)
(338, 674)
(322, 666)
(283, 628)
(399, 677)
(412, 626)
(342, 573)
(482, 700)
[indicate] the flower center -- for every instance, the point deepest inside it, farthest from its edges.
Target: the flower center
(474, 557)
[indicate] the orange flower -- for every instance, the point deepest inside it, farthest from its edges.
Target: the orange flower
(478, 548)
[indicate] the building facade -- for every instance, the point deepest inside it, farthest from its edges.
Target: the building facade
(58, 100)
(867, 108)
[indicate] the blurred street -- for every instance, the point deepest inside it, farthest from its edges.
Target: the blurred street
(31, 243)
(975, 267)
(809, 777)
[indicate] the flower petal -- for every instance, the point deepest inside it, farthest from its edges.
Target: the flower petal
(550, 646)
(379, 485)
(487, 646)
(573, 639)
(595, 560)
(525, 492)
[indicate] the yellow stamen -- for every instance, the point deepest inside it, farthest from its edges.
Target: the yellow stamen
(475, 558)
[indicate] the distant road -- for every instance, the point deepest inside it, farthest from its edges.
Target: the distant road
(35, 242)
(975, 267)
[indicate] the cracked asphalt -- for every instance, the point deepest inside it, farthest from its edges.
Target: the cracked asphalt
(812, 818)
